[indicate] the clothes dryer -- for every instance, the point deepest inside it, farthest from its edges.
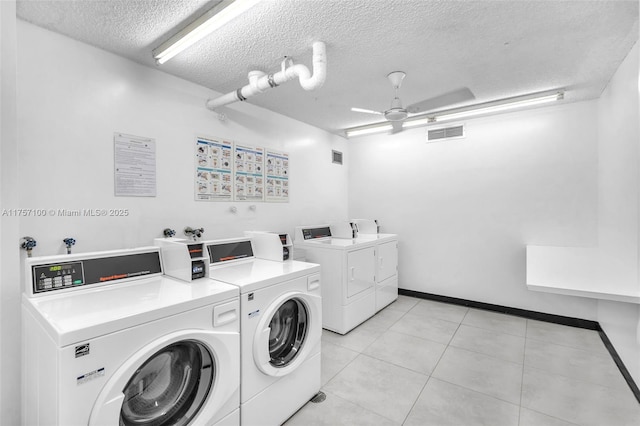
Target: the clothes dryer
(280, 328)
(386, 276)
(348, 274)
(108, 340)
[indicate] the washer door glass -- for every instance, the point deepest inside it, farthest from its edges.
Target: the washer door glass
(289, 326)
(170, 387)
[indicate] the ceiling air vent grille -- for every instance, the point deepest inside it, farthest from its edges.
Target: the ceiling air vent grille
(445, 133)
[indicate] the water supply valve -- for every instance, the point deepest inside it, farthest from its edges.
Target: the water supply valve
(168, 232)
(69, 242)
(28, 244)
(193, 232)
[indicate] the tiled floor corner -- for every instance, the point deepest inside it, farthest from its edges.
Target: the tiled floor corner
(420, 363)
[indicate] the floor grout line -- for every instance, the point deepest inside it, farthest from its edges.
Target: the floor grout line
(380, 330)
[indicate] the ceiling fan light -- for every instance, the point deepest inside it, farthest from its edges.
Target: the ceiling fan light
(453, 114)
(395, 114)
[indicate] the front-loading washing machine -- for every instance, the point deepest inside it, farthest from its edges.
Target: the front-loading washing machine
(108, 340)
(280, 328)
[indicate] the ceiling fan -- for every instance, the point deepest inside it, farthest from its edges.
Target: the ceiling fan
(397, 114)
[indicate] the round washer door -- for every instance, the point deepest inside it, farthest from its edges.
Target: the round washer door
(286, 333)
(170, 387)
(179, 379)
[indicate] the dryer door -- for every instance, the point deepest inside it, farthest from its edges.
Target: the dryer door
(287, 333)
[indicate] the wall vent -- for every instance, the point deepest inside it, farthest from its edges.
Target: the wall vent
(434, 135)
(336, 157)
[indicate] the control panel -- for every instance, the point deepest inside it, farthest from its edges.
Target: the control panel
(222, 251)
(52, 276)
(49, 277)
(197, 269)
(271, 245)
(182, 258)
(311, 233)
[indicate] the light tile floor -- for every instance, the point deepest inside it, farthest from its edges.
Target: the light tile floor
(420, 362)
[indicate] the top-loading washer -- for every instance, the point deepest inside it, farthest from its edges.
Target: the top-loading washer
(281, 325)
(348, 267)
(108, 340)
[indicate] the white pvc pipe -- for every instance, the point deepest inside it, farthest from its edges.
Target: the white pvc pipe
(259, 81)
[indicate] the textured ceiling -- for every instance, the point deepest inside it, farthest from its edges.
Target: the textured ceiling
(496, 48)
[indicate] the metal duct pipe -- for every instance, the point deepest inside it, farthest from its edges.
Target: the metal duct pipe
(259, 81)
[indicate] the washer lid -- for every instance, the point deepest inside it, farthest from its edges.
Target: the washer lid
(337, 243)
(73, 317)
(380, 238)
(258, 273)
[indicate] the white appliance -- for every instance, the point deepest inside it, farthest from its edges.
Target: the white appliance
(386, 260)
(348, 274)
(280, 328)
(183, 259)
(108, 340)
(271, 246)
(366, 226)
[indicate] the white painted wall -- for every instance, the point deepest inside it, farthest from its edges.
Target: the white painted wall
(618, 212)
(9, 241)
(466, 208)
(71, 98)
(68, 112)
(618, 166)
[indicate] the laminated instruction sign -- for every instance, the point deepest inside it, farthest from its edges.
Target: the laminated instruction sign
(228, 171)
(134, 166)
(213, 170)
(277, 182)
(249, 173)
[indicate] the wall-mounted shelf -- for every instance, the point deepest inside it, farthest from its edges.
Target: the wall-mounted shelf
(584, 272)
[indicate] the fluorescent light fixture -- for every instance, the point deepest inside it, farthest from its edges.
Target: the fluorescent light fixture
(420, 121)
(498, 106)
(367, 130)
(210, 21)
(468, 111)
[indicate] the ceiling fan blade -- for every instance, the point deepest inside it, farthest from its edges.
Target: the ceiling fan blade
(366, 111)
(397, 127)
(449, 98)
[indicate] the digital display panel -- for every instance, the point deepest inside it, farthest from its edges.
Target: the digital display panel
(57, 276)
(230, 251)
(195, 250)
(197, 269)
(311, 233)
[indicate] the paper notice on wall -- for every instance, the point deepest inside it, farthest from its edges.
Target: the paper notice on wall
(134, 166)
(213, 170)
(277, 180)
(249, 173)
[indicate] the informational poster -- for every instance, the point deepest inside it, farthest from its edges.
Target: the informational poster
(213, 170)
(134, 166)
(277, 184)
(249, 173)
